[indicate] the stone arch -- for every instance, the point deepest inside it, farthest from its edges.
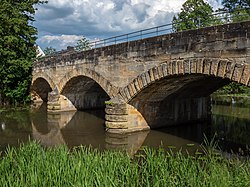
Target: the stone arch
(41, 85)
(212, 67)
(45, 76)
(110, 89)
(86, 89)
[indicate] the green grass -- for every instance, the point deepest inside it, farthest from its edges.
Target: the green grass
(33, 165)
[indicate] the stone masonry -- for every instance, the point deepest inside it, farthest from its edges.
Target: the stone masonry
(147, 83)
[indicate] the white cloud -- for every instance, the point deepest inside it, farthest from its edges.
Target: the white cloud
(59, 42)
(99, 19)
(215, 3)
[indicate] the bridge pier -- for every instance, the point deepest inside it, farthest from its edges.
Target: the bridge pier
(123, 118)
(58, 102)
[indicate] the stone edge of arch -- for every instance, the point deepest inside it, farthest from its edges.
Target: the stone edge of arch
(110, 89)
(224, 68)
(45, 76)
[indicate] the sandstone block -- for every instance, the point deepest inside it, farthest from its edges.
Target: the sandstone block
(116, 111)
(111, 105)
(116, 125)
(116, 118)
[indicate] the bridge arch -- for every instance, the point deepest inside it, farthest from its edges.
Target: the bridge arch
(41, 85)
(177, 91)
(44, 76)
(110, 89)
(86, 89)
(214, 68)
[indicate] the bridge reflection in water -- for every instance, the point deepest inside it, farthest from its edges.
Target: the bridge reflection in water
(83, 128)
(77, 128)
(87, 128)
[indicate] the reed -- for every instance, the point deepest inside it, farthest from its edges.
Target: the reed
(34, 165)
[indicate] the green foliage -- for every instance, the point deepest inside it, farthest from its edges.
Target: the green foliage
(49, 51)
(33, 165)
(109, 103)
(234, 88)
(17, 51)
(83, 44)
(194, 14)
(233, 5)
(239, 9)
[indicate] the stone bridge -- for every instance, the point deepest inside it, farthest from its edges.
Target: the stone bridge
(148, 83)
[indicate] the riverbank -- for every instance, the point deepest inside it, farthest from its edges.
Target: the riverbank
(33, 165)
(231, 99)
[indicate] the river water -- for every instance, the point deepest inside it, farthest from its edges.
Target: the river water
(230, 124)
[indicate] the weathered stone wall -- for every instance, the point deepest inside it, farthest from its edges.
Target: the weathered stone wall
(121, 63)
(176, 111)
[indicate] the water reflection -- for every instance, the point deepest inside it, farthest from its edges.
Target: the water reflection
(15, 127)
(231, 124)
(131, 143)
(82, 128)
(52, 135)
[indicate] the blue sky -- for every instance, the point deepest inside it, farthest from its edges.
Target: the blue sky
(61, 23)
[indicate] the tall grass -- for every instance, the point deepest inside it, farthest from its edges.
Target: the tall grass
(33, 165)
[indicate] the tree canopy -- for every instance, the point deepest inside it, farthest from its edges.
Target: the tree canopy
(193, 14)
(233, 5)
(239, 9)
(83, 44)
(49, 51)
(17, 51)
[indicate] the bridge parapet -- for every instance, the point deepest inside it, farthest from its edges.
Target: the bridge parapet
(221, 41)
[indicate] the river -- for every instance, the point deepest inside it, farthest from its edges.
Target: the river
(230, 124)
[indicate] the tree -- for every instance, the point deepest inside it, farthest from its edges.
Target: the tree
(234, 88)
(233, 5)
(194, 14)
(17, 51)
(239, 9)
(49, 51)
(83, 44)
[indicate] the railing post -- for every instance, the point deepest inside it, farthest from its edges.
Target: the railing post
(157, 31)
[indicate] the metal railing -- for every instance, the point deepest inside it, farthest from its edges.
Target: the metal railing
(215, 19)
(137, 35)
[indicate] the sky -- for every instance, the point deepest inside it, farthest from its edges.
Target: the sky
(61, 23)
